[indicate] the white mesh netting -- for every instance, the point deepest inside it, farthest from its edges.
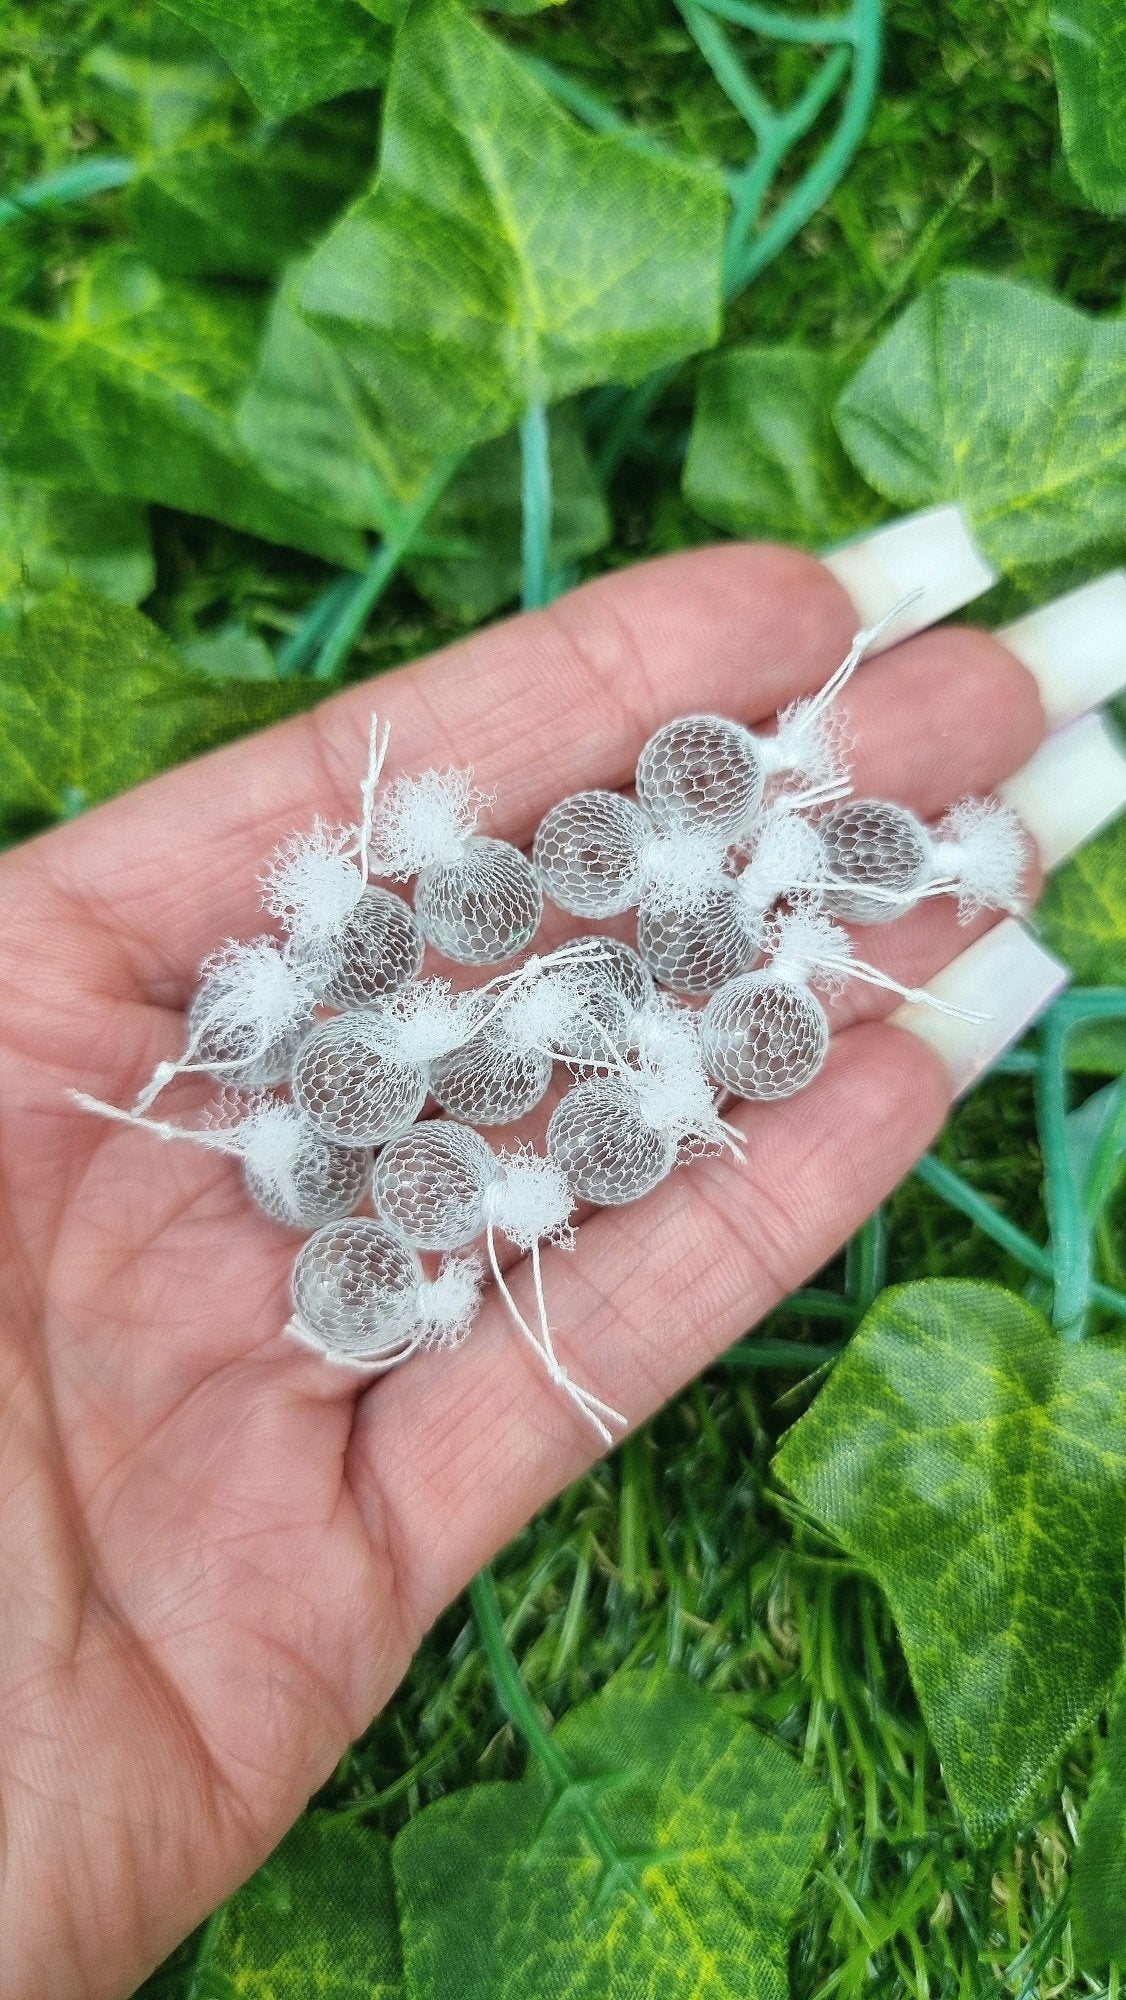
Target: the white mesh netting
(872, 843)
(981, 849)
(489, 1082)
(529, 1199)
(312, 884)
(482, 906)
(294, 1174)
(694, 951)
(587, 853)
(615, 986)
(763, 1037)
(250, 1011)
(446, 1306)
(379, 949)
(602, 1145)
(701, 773)
(424, 821)
(425, 1020)
(355, 1287)
(430, 1184)
(350, 1089)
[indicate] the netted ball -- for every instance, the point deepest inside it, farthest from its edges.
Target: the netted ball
(237, 1053)
(350, 1089)
(430, 1185)
(603, 1147)
(871, 841)
(694, 951)
(587, 852)
(483, 906)
(354, 1291)
(616, 987)
(762, 1037)
(488, 1082)
(324, 1182)
(379, 949)
(701, 773)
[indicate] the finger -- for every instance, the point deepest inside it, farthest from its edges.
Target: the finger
(451, 1456)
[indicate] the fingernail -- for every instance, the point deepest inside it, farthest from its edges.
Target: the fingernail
(932, 552)
(1074, 647)
(1073, 787)
(1005, 976)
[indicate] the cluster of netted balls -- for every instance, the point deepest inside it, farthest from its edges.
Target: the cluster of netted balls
(741, 856)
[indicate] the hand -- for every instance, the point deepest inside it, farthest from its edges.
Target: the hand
(218, 1552)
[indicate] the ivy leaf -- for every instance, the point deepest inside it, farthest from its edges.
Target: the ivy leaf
(1082, 917)
(478, 518)
(988, 392)
(46, 536)
(764, 457)
(303, 419)
(291, 53)
(307, 424)
(317, 1922)
(1089, 52)
(93, 699)
(131, 391)
(975, 1463)
(680, 1838)
(1098, 1873)
(504, 255)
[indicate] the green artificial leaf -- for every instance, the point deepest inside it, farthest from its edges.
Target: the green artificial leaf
(234, 653)
(308, 426)
(131, 391)
(93, 699)
(478, 519)
(505, 256)
(219, 191)
(988, 392)
(764, 457)
(47, 536)
(304, 421)
(243, 210)
(1089, 53)
(1098, 1873)
(975, 1463)
(670, 1861)
(317, 1922)
(291, 53)
(164, 92)
(1082, 918)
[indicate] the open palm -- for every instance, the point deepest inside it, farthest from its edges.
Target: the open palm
(218, 1553)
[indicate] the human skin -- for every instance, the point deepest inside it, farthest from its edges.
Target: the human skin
(219, 1553)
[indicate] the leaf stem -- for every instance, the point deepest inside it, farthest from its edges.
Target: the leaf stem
(535, 507)
(619, 1868)
(815, 186)
(860, 39)
(594, 110)
(740, 90)
(386, 558)
(93, 176)
(966, 1199)
(779, 27)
